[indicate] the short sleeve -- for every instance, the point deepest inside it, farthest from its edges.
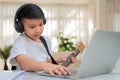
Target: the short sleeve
(19, 47)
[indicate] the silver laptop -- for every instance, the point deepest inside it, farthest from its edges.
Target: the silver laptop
(100, 56)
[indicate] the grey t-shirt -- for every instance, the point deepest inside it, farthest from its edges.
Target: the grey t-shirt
(26, 46)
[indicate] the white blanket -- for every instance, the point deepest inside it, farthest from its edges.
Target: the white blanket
(11, 75)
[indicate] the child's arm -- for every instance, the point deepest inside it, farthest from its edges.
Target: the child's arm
(62, 59)
(32, 65)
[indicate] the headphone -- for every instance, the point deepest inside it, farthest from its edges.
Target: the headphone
(17, 20)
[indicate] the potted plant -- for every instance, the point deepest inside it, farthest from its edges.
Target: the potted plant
(4, 54)
(65, 43)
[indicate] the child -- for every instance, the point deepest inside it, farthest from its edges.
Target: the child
(28, 52)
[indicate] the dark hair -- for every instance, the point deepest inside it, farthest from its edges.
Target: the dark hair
(29, 11)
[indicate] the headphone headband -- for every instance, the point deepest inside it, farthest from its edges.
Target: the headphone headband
(22, 12)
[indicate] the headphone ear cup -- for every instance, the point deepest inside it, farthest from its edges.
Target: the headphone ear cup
(19, 27)
(44, 20)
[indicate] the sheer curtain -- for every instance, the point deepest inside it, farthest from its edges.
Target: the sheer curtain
(72, 20)
(113, 14)
(7, 32)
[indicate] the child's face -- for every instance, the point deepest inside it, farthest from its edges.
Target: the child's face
(33, 28)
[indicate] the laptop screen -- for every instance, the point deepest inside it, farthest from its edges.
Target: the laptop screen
(101, 55)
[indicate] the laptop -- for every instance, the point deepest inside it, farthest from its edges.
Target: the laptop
(99, 58)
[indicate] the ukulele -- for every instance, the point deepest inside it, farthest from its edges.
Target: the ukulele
(80, 47)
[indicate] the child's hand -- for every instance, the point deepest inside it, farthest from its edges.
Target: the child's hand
(73, 59)
(55, 69)
(62, 59)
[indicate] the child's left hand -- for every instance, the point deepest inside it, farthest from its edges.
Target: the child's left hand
(62, 59)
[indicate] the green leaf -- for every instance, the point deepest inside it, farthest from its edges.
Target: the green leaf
(5, 52)
(2, 54)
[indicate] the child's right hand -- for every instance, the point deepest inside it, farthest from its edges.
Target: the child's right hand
(55, 69)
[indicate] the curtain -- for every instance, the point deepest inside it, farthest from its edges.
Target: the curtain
(71, 20)
(113, 14)
(7, 32)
